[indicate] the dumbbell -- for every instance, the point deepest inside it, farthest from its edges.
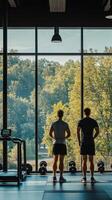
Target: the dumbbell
(1, 166)
(72, 167)
(43, 168)
(100, 166)
(27, 168)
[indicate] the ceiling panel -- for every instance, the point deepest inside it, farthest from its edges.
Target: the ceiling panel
(78, 13)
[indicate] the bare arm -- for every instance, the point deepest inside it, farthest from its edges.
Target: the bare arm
(68, 133)
(96, 132)
(51, 132)
(78, 134)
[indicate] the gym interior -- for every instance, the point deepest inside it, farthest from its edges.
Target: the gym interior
(38, 76)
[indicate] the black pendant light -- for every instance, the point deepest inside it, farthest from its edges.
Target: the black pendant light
(56, 37)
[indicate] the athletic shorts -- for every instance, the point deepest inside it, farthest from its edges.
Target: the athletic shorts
(87, 149)
(59, 149)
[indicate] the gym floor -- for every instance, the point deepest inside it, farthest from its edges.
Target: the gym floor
(38, 187)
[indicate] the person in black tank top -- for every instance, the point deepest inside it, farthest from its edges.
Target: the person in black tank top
(86, 126)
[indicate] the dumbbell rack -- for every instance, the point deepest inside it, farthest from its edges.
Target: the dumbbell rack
(18, 175)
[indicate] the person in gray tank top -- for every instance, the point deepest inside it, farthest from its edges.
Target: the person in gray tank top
(59, 131)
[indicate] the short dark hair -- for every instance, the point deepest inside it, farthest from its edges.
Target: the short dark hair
(60, 113)
(87, 111)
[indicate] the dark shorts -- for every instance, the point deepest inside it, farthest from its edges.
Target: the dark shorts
(59, 149)
(87, 149)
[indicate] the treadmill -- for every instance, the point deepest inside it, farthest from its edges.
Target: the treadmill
(17, 175)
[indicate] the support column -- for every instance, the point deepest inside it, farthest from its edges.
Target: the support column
(36, 102)
(5, 18)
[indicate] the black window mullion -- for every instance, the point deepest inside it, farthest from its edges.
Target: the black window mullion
(5, 21)
(36, 101)
(82, 75)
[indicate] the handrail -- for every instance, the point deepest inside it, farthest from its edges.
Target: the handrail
(14, 139)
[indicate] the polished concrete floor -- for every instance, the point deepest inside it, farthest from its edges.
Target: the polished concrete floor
(38, 187)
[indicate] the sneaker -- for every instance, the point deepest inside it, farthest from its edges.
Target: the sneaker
(62, 180)
(83, 180)
(93, 180)
(54, 179)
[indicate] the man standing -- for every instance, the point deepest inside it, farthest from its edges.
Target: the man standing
(87, 126)
(59, 131)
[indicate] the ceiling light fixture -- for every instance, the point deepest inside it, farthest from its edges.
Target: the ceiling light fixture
(56, 37)
(108, 13)
(57, 5)
(12, 3)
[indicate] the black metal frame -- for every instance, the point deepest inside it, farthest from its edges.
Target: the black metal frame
(17, 176)
(5, 18)
(36, 102)
(36, 54)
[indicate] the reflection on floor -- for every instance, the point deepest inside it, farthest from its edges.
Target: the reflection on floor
(38, 187)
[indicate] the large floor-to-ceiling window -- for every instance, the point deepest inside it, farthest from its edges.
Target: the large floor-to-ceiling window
(21, 90)
(43, 77)
(98, 87)
(58, 88)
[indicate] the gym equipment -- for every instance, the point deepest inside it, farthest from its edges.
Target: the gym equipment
(27, 167)
(100, 166)
(72, 167)
(43, 167)
(7, 175)
(1, 166)
(111, 166)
